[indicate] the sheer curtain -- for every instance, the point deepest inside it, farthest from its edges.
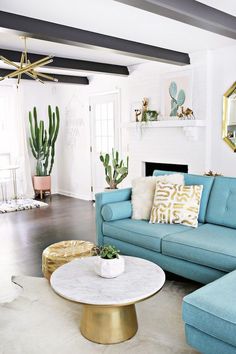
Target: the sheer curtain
(13, 137)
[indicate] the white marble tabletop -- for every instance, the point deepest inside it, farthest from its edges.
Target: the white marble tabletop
(77, 281)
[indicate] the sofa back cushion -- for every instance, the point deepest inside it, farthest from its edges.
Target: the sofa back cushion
(222, 203)
(190, 179)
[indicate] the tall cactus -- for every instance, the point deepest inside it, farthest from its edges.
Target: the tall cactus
(176, 100)
(42, 142)
(116, 171)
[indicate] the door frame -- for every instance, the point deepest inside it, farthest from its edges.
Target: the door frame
(118, 130)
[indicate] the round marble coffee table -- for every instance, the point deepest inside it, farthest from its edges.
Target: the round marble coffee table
(108, 314)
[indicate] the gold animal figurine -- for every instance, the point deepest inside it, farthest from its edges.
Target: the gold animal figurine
(145, 102)
(140, 114)
(211, 173)
(186, 113)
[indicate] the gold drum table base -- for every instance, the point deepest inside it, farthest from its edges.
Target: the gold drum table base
(108, 324)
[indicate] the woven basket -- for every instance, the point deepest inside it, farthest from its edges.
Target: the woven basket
(63, 252)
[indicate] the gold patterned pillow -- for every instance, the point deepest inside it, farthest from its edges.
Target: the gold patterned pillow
(176, 204)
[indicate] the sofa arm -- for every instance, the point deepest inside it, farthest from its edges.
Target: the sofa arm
(117, 211)
(119, 195)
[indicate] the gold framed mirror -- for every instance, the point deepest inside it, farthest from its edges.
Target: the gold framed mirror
(229, 117)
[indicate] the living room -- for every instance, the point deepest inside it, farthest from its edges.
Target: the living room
(105, 119)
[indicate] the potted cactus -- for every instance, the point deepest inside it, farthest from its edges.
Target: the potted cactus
(108, 264)
(42, 143)
(115, 171)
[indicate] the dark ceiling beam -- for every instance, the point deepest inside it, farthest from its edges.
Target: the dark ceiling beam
(70, 64)
(191, 12)
(54, 32)
(68, 79)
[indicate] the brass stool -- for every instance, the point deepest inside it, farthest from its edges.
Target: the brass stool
(63, 252)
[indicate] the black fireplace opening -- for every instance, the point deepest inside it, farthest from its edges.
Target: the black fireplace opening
(151, 166)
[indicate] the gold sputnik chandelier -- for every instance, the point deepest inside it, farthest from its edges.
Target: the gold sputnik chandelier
(28, 68)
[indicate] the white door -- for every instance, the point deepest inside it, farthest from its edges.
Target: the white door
(104, 110)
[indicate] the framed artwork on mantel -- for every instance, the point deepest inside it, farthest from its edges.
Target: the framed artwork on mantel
(176, 93)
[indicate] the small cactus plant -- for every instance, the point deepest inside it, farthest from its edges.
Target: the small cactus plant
(42, 141)
(115, 170)
(177, 100)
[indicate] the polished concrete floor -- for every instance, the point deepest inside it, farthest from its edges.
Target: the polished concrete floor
(25, 234)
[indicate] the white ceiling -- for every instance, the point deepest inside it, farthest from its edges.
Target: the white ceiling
(115, 19)
(228, 6)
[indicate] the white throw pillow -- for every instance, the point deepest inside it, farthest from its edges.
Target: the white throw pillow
(143, 189)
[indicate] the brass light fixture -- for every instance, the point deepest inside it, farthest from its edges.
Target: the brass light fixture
(28, 68)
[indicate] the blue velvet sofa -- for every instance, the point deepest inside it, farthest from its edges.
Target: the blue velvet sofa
(206, 254)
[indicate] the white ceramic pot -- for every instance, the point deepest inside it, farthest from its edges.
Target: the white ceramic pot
(109, 268)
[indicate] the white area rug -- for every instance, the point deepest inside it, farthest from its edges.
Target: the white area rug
(20, 204)
(9, 291)
(41, 322)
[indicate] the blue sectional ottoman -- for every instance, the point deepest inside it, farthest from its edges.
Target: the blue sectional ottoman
(204, 254)
(210, 316)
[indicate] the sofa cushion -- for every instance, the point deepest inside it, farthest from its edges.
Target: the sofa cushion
(190, 179)
(205, 343)
(116, 211)
(176, 204)
(143, 189)
(212, 309)
(209, 245)
(140, 232)
(222, 203)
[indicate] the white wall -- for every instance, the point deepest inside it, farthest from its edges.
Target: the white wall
(168, 145)
(40, 96)
(71, 171)
(213, 73)
(163, 145)
(223, 74)
(73, 148)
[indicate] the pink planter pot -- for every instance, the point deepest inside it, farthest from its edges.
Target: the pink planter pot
(42, 183)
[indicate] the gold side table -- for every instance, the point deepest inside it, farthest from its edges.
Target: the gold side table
(108, 305)
(63, 252)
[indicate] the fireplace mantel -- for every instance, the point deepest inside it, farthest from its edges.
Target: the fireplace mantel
(189, 126)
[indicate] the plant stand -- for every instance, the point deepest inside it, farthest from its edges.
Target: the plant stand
(42, 193)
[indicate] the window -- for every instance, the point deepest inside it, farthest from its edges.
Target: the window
(7, 128)
(104, 122)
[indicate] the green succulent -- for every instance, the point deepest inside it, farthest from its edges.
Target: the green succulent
(151, 115)
(108, 252)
